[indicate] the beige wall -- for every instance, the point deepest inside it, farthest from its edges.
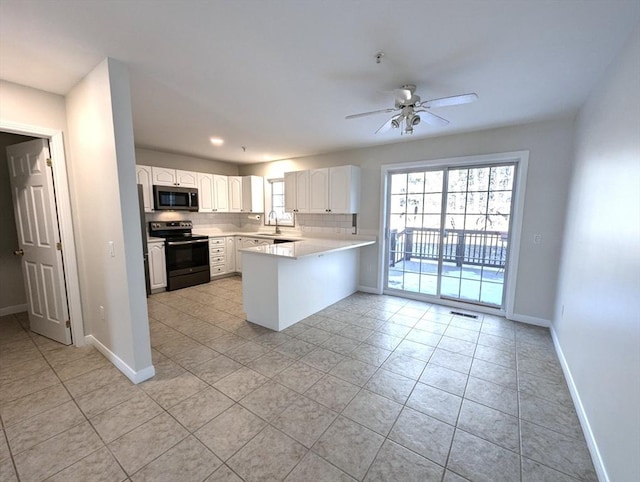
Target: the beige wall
(550, 146)
(101, 143)
(27, 107)
(12, 294)
(597, 319)
(150, 157)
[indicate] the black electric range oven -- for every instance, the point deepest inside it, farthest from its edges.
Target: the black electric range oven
(187, 255)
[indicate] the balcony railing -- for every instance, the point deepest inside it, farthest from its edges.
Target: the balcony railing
(462, 246)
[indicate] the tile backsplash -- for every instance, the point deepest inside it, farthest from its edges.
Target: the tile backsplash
(305, 223)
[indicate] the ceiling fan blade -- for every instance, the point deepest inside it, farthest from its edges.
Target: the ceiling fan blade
(364, 114)
(453, 100)
(432, 119)
(384, 127)
(387, 125)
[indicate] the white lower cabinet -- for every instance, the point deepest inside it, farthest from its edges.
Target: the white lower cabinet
(230, 253)
(242, 242)
(217, 258)
(157, 265)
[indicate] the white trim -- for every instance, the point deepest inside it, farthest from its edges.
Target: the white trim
(12, 310)
(369, 289)
(516, 230)
(598, 463)
(520, 158)
(530, 320)
(65, 222)
(135, 376)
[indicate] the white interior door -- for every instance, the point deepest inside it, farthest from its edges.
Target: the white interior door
(38, 239)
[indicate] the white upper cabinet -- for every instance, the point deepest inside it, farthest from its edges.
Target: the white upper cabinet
(334, 190)
(186, 178)
(319, 191)
(172, 177)
(296, 192)
(235, 194)
(344, 189)
(143, 176)
(205, 192)
(220, 193)
(163, 176)
(252, 194)
(246, 194)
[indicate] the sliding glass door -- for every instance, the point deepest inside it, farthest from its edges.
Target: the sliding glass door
(448, 232)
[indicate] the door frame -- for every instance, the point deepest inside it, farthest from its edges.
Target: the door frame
(65, 220)
(521, 159)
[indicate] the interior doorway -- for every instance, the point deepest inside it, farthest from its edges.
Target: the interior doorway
(12, 296)
(63, 210)
(449, 229)
(38, 238)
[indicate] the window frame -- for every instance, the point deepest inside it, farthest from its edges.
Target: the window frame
(285, 219)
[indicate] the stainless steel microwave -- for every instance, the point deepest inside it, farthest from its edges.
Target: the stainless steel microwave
(171, 198)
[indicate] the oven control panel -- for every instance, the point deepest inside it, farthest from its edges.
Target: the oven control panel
(169, 225)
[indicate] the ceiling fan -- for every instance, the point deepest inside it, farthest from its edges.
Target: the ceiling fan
(409, 110)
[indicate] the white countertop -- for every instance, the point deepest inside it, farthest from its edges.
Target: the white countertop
(215, 233)
(308, 247)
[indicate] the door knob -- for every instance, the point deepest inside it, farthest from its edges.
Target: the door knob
(19, 252)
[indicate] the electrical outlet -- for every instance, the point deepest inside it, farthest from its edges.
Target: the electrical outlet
(537, 238)
(101, 312)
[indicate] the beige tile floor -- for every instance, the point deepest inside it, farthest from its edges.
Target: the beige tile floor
(373, 388)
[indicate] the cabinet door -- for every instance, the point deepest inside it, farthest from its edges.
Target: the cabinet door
(344, 189)
(290, 192)
(220, 193)
(319, 191)
(235, 194)
(238, 260)
(144, 177)
(302, 191)
(187, 179)
(230, 263)
(252, 194)
(205, 192)
(163, 176)
(157, 266)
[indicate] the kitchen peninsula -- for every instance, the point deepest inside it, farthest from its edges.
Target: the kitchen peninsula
(284, 283)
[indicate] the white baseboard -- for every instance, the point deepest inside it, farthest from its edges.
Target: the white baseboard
(531, 320)
(369, 289)
(135, 376)
(11, 310)
(598, 463)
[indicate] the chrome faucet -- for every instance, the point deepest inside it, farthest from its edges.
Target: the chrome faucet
(275, 216)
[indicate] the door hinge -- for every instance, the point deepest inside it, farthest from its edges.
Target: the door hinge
(59, 246)
(67, 323)
(49, 163)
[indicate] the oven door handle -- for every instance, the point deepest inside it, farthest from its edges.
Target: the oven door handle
(177, 243)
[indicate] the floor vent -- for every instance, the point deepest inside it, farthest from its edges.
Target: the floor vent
(468, 315)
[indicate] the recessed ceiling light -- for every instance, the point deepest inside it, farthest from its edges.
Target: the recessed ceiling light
(216, 141)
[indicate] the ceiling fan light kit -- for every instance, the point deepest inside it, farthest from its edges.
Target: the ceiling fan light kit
(411, 111)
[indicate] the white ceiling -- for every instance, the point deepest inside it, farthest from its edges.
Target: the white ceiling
(279, 76)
